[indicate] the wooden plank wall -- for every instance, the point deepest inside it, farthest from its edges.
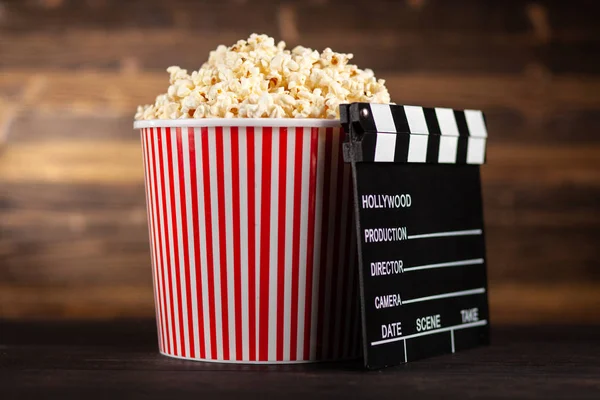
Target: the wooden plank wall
(73, 236)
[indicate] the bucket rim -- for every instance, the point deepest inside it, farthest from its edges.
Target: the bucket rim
(238, 122)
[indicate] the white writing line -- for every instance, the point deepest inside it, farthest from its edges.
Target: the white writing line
(443, 234)
(452, 338)
(449, 328)
(405, 357)
(446, 264)
(446, 295)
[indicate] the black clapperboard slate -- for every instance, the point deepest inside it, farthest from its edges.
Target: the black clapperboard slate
(419, 219)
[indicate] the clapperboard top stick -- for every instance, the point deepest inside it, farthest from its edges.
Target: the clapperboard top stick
(420, 233)
(456, 136)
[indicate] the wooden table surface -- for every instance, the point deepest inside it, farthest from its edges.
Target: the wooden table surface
(119, 359)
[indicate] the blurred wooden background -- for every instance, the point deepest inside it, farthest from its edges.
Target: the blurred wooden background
(73, 235)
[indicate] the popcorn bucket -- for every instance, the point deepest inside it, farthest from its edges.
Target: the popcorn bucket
(252, 240)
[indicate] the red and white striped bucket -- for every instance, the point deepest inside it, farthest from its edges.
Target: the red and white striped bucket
(252, 238)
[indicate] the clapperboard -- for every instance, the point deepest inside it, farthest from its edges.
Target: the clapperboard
(418, 207)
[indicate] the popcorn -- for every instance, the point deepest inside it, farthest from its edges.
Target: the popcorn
(257, 78)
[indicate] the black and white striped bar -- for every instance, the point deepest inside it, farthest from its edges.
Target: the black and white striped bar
(413, 134)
